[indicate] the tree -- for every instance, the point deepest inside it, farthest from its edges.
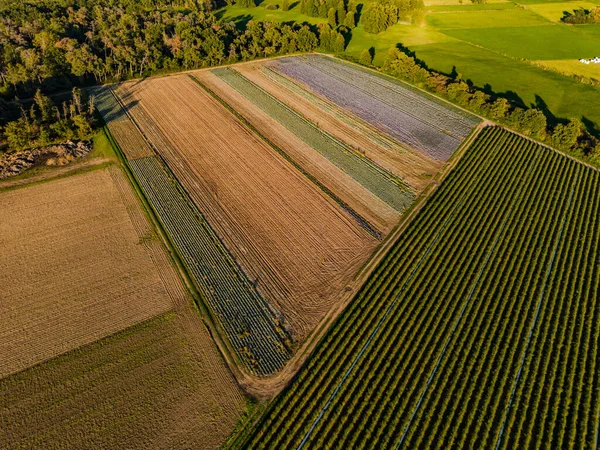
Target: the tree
(365, 58)
(349, 21)
(340, 43)
(565, 136)
(331, 17)
(44, 104)
(285, 5)
(499, 108)
(84, 129)
(341, 12)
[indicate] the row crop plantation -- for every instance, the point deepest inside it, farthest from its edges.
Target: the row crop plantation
(413, 118)
(414, 167)
(373, 177)
(479, 329)
(255, 330)
(299, 248)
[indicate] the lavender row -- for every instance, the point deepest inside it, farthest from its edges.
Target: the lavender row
(427, 109)
(410, 118)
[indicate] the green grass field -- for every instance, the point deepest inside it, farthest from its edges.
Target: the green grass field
(520, 49)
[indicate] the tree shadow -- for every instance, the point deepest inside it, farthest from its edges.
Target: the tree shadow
(372, 53)
(591, 127)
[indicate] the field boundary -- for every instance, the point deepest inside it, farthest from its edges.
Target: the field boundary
(329, 320)
(196, 297)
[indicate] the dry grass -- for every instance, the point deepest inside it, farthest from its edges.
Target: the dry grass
(299, 245)
(415, 168)
(78, 263)
(81, 262)
(156, 385)
(377, 212)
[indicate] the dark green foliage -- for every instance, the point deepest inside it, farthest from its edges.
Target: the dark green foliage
(335, 12)
(365, 58)
(582, 16)
(45, 123)
(331, 40)
(55, 44)
(379, 15)
(332, 17)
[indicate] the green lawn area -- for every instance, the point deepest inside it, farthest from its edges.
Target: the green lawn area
(547, 42)
(572, 67)
(564, 96)
(477, 19)
(408, 35)
(470, 7)
(555, 11)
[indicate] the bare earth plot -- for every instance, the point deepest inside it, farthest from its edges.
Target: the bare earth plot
(77, 265)
(367, 205)
(80, 263)
(298, 245)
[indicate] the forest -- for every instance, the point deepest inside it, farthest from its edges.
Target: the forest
(54, 45)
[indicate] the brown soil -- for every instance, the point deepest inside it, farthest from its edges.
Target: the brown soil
(76, 266)
(83, 262)
(299, 245)
(415, 168)
(369, 206)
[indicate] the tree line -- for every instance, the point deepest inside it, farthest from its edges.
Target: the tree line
(53, 45)
(45, 122)
(582, 16)
(379, 15)
(569, 136)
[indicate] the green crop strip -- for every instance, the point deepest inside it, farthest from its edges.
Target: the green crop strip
(376, 179)
(480, 323)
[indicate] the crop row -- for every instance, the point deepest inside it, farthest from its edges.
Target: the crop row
(340, 114)
(376, 179)
(254, 330)
(410, 117)
(478, 329)
(107, 105)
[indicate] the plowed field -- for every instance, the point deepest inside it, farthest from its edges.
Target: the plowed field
(299, 246)
(79, 261)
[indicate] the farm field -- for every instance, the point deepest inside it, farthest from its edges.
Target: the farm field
(101, 345)
(159, 384)
(412, 166)
(414, 119)
(373, 177)
(295, 244)
(498, 45)
(480, 328)
(368, 209)
(93, 231)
